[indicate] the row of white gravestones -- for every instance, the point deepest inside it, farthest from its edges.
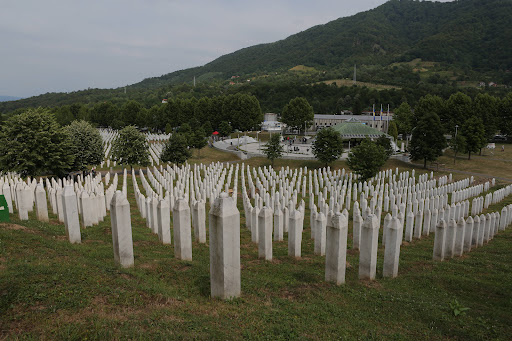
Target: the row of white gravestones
(30, 193)
(460, 195)
(67, 200)
(264, 243)
(265, 182)
(501, 193)
(336, 247)
(224, 222)
(455, 237)
(197, 207)
(423, 223)
(331, 240)
(426, 216)
(189, 183)
(367, 263)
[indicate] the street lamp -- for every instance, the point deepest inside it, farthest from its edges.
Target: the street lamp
(455, 143)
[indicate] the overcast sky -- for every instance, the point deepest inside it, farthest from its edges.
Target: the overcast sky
(68, 45)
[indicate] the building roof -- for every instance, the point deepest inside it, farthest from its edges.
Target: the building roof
(357, 117)
(355, 130)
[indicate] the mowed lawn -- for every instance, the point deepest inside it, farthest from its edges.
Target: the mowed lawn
(50, 289)
(492, 161)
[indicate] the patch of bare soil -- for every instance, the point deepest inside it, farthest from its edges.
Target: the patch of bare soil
(151, 266)
(371, 284)
(352, 252)
(9, 226)
(93, 241)
(419, 266)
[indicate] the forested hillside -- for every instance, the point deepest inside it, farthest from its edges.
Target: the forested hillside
(470, 34)
(418, 47)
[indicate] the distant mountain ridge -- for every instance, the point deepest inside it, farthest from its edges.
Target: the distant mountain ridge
(469, 36)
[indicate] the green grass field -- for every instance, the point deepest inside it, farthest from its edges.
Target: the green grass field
(50, 289)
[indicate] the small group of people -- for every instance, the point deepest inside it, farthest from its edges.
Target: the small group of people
(92, 172)
(295, 149)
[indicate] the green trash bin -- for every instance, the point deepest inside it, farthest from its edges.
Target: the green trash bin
(4, 210)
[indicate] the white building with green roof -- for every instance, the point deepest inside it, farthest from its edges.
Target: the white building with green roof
(354, 129)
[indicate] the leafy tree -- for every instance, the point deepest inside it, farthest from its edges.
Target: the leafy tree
(457, 143)
(243, 111)
(474, 132)
(328, 145)
(458, 108)
(186, 109)
(63, 115)
(202, 111)
(429, 104)
(79, 111)
(297, 113)
(385, 143)
(273, 148)
(392, 130)
(207, 127)
(403, 119)
(225, 128)
(168, 128)
(194, 123)
(427, 140)
(198, 140)
(506, 115)
(104, 114)
(185, 129)
(176, 149)
(155, 118)
(367, 158)
(32, 143)
(356, 106)
(87, 144)
(143, 118)
(130, 147)
(171, 113)
(117, 124)
(486, 108)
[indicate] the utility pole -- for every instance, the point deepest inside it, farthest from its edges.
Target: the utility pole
(355, 78)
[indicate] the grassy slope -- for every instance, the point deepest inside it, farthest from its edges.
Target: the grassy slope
(51, 289)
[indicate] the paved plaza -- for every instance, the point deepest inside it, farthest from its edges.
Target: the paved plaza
(253, 147)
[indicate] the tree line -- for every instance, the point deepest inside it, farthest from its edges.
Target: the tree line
(240, 111)
(471, 122)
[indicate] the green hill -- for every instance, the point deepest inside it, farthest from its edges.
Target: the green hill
(471, 34)
(465, 40)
